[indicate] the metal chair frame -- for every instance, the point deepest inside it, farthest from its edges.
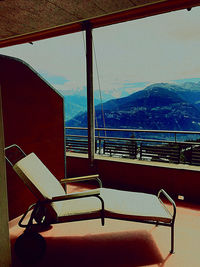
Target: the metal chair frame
(39, 206)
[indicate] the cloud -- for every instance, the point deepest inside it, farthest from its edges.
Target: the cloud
(184, 25)
(129, 55)
(61, 56)
(54, 79)
(71, 87)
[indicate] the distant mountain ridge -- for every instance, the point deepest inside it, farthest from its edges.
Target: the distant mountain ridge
(161, 106)
(75, 105)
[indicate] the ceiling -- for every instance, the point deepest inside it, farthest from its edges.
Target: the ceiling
(28, 20)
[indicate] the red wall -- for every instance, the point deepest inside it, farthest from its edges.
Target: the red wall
(33, 119)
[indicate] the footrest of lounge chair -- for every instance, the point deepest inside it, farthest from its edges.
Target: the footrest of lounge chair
(134, 206)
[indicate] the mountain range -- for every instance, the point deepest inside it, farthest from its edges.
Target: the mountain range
(75, 105)
(160, 106)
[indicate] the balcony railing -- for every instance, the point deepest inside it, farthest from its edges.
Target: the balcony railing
(151, 145)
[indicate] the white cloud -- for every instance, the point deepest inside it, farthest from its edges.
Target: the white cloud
(62, 56)
(144, 50)
(71, 87)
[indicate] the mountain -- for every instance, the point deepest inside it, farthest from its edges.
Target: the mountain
(190, 92)
(74, 105)
(160, 106)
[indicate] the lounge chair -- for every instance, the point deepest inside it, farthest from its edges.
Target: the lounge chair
(54, 205)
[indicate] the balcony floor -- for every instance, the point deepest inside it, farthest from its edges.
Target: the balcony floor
(120, 243)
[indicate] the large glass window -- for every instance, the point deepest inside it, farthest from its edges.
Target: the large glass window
(146, 77)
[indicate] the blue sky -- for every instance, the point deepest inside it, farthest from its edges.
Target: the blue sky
(128, 56)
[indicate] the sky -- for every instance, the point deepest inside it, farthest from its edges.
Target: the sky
(127, 56)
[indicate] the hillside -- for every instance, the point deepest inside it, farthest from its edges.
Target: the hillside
(75, 105)
(158, 107)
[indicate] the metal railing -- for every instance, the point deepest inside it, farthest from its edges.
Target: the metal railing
(151, 145)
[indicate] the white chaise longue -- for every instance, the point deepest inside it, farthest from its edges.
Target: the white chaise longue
(55, 205)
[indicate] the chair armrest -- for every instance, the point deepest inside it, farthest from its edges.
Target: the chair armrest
(89, 193)
(162, 191)
(82, 179)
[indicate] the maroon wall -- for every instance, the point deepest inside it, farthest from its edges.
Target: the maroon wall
(140, 176)
(33, 119)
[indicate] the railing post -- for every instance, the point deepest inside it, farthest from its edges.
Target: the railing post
(136, 150)
(99, 146)
(191, 155)
(140, 150)
(96, 146)
(179, 153)
(104, 144)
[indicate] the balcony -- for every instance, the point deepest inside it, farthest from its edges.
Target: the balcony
(150, 145)
(31, 100)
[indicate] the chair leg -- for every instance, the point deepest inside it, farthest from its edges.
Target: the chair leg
(172, 239)
(102, 211)
(102, 221)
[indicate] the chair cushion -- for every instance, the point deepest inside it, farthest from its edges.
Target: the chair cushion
(39, 179)
(79, 206)
(119, 205)
(134, 205)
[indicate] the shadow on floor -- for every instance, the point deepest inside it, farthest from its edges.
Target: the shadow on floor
(127, 248)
